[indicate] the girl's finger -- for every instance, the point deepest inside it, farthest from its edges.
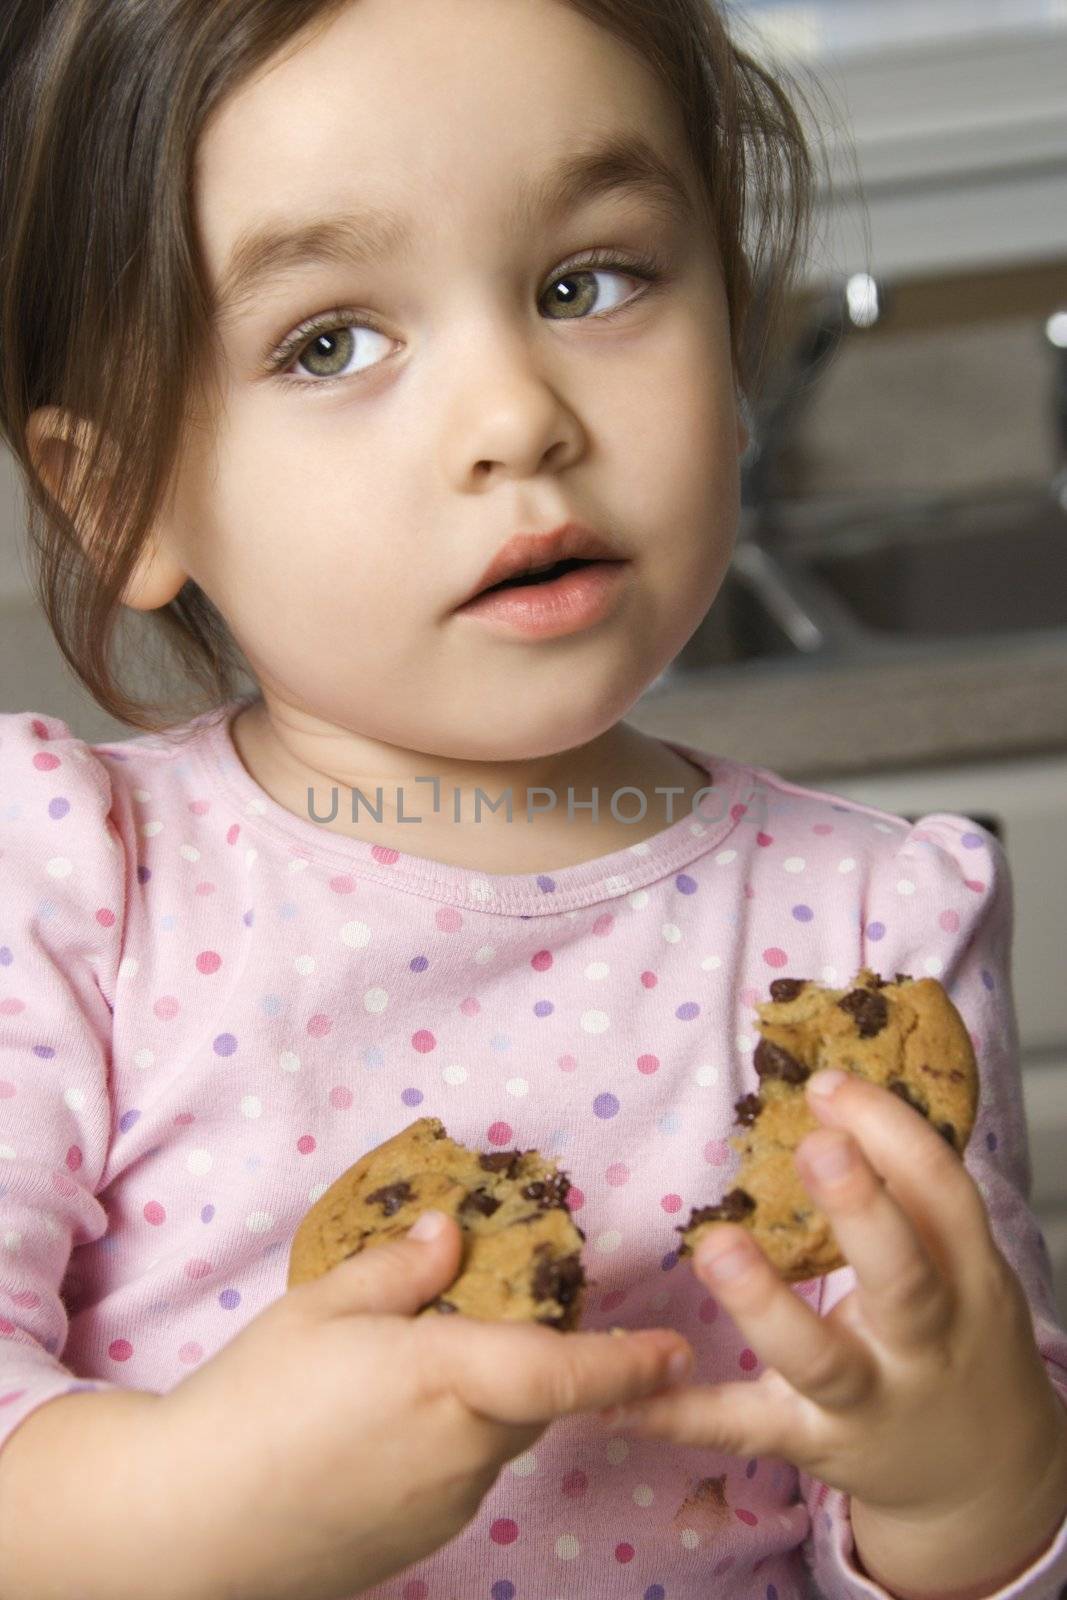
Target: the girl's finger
(904, 1297)
(823, 1361)
(737, 1419)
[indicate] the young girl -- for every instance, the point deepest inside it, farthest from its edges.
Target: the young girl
(309, 309)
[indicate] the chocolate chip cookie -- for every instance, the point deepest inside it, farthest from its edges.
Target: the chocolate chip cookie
(521, 1258)
(905, 1035)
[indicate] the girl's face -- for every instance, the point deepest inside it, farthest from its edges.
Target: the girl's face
(459, 388)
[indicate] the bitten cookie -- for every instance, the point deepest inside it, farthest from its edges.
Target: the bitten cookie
(906, 1036)
(521, 1257)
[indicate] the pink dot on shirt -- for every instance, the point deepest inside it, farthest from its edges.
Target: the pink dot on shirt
(612, 1300)
(764, 839)
(120, 1349)
(105, 917)
(504, 1531)
(975, 885)
(200, 808)
(574, 1484)
(11, 1006)
(750, 997)
(624, 1553)
(747, 1360)
(470, 1007)
(166, 1007)
(501, 1133)
(44, 761)
(648, 1065)
(575, 1197)
(154, 1213)
(541, 961)
(387, 857)
(74, 1159)
(7, 1089)
(716, 1152)
(190, 1353)
(415, 1589)
(39, 728)
(708, 1310)
(671, 1203)
(737, 812)
(205, 888)
(775, 957)
(233, 832)
(11, 1395)
(950, 921)
(448, 919)
(208, 961)
(423, 1041)
(198, 1268)
(617, 1174)
(604, 924)
(343, 885)
(319, 1025)
(568, 1063)
(823, 829)
(748, 1517)
(341, 1098)
(26, 1299)
(306, 1144)
(649, 980)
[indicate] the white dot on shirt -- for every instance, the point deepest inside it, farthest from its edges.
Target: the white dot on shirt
(933, 966)
(690, 1538)
(847, 865)
(128, 966)
(199, 1162)
(289, 1061)
(616, 1451)
(12, 1242)
(143, 1059)
(356, 935)
(905, 886)
(375, 1001)
(259, 1222)
(142, 796)
(745, 1043)
(607, 1243)
(644, 1494)
(189, 852)
(59, 867)
(617, 885)
(74, 1099)
(523, 1466)
(597, 970)
(305, 965)
(711, 963)
(568, 1547)
(517, 1087)
(595, 1021)
(794, 864)
(150, 829)
(706, 1075)
(484, 955)
(454, 1074)
(640, 900)
(724, 858)
(671, 932)
(251, 1106)
(8, 1152)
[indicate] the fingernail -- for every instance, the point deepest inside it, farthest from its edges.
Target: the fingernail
(727, 1264)
(826, 1083)
(680, 1365)
(428, 1226)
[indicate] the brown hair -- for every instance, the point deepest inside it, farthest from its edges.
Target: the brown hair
(105, 310)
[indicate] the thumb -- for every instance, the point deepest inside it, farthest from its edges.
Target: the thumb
(400, 1276)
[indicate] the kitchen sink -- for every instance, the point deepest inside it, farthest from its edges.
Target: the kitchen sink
(837, 582)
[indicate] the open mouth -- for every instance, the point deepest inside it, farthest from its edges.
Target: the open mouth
(525, 580)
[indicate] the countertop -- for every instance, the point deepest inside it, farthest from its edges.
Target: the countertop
(808, 718)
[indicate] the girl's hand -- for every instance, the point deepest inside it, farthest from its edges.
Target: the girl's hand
(922, 1390)
(338, 1437)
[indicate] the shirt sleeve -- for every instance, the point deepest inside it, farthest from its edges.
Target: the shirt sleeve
(62, 905)
(940, 904)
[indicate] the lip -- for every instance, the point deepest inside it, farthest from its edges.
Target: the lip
(579, 600)
(574, 541)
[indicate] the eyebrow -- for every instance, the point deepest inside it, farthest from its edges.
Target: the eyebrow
(368, 235)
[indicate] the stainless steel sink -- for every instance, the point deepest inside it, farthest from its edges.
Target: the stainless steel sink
(829, 583)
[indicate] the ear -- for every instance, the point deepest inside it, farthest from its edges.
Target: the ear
(57, 441)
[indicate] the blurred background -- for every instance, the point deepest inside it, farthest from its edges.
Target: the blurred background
(894, 626)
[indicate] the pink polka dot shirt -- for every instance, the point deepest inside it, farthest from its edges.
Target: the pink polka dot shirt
(211, 1007)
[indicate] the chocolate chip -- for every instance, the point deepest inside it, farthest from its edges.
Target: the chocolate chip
(550, 1193)
(869, 1009)
(482, 1201)
(735, 1207)
(391, 1198)
(505, 1161)
(948, 1133)
(748, 1109)
(787, 988)
(771, 1061)
(904, 1092)
(442, 1305)
(557, 1279)
(902, 977)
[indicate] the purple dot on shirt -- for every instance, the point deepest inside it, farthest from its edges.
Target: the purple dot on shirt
(669, 1261)
(272, 1004)
(772, 1591)
(546, 885)
(224, 1044)
(128, 1119)
(686, 1012)
(230, 1299)
(606, 1105)
(6, 958)
(412, 1097)
(991, 1141)
(876, 931)
(751, 1467)
(803, 913)
(987, 979)
(543, 1008)
(419, 963)
(287, 911)
(43, 1051)
(685, 884)
(655, 1591)
(502, 1590)
(207, 1213)
(248, 918)
(143, 874)
(58, 807)
(972, 841)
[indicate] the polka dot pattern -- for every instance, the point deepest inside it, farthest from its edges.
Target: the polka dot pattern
(272, 999)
